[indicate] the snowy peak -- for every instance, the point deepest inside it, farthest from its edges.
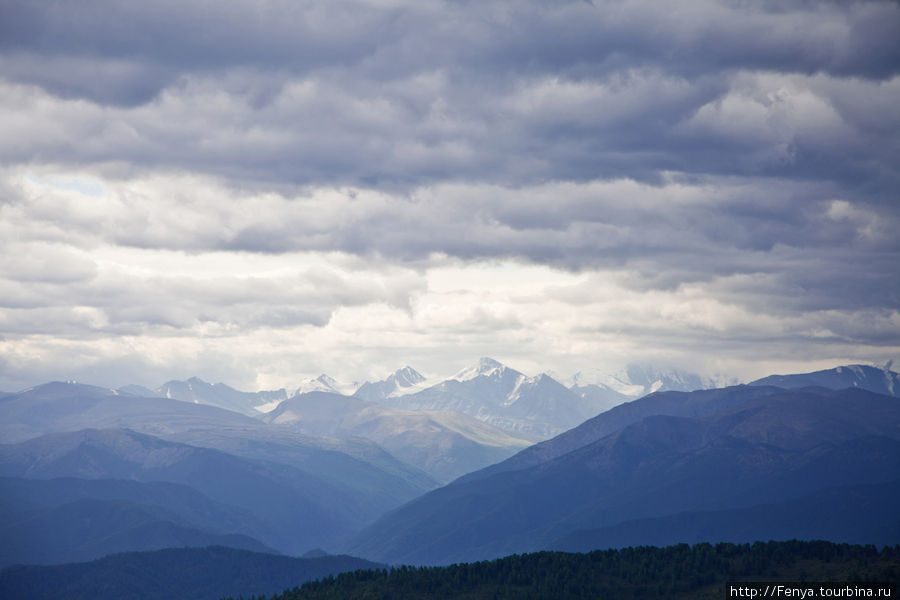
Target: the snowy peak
(486, 367)
(606, 381)
(406, 377)
(605, 390)
(493, 393)
(654, 379)
(639, 380)
(324, 383)
(402, 381)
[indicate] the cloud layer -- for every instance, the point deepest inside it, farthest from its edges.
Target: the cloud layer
(256, 192)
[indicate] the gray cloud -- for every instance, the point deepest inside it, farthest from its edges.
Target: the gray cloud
(742, 152)
(365, 94)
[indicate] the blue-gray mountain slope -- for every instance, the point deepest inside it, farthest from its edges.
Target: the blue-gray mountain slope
(75, 520)
(294, 510)
(772, 446)
(173, 574)
(880, 381)
(356, 465)
(856, 514)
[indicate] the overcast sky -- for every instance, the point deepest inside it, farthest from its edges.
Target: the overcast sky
(257, 192)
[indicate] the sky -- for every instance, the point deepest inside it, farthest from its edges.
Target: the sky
(256, 192)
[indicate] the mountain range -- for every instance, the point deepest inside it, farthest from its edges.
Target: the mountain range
(481, 415)
(537, 406)
(529, 463)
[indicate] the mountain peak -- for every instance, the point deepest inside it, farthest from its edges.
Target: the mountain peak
(402, 381)
(325, 383)
(407, 377)
(486, 367)
(326, 380)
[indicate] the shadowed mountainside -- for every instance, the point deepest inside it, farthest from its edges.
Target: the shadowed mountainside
(73, 520)
(864, 377)
(173, 574)
(300, 510)
(774, 447)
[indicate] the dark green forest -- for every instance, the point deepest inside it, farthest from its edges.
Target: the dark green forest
(682, 571)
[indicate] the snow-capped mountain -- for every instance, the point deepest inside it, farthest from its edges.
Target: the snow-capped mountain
(638, 380)
(606, 390)
(486, 367)
(607, 381)
(197, 391)
(402, 381)
(501, 396)
(663, 380)
(325, 383)
(538, 406)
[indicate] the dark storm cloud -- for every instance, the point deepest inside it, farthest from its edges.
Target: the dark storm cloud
(856, 39)
(155, 43)
(513, 93)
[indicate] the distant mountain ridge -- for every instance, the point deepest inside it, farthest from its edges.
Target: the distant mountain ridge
(526, 408)
(444, 444)
(864, 377)
(587, 393)
(65, 406)
(503, 397)
(197, 391)
(539, 406)
(602, 389)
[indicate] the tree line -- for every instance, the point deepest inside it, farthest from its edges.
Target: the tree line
(681, 571)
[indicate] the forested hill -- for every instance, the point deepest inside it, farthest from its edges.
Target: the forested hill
(699, 571)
